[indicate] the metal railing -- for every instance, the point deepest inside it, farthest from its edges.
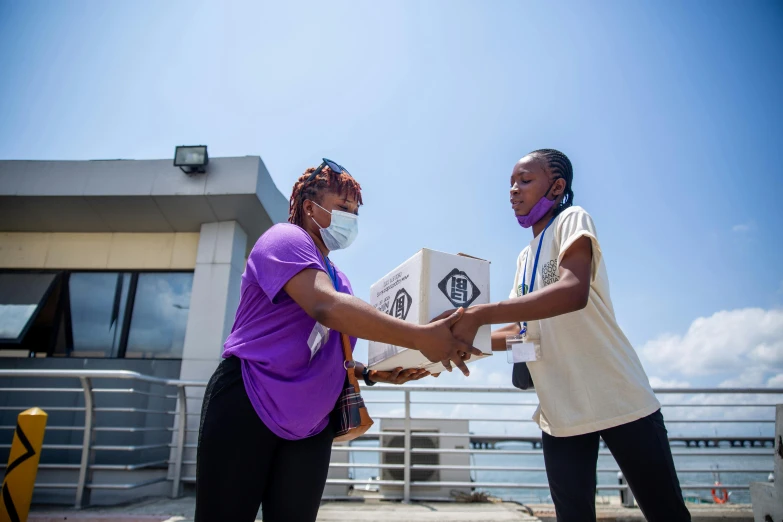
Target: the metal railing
(738, 407)
(173, 409)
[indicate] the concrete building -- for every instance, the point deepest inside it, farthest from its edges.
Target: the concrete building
(99, 229)
(130, 265)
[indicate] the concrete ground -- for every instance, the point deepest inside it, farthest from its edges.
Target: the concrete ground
(182, 509)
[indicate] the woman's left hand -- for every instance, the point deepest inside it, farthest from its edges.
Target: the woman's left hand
(398, 375)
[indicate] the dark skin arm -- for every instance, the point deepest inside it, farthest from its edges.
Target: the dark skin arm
(499, 336)
(398, 376)
(315, 293)
(567, 295)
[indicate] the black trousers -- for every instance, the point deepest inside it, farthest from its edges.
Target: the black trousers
(242, 465)
(641, 449)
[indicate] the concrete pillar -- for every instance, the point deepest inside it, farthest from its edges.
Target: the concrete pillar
(220, 261)
(768, 498)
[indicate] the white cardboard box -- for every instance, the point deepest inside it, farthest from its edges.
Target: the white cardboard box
(419, 290)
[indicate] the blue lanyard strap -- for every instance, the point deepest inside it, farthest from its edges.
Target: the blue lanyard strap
(331, 271)
(533, 275)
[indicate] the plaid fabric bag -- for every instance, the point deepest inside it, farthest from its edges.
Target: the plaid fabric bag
(350, 418)
(347, 410)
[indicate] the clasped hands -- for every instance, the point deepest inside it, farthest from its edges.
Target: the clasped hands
(464, 330)
(446, 339)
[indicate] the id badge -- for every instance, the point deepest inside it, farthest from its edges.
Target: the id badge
(519, 349)
(317, 339)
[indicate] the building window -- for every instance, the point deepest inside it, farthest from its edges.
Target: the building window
(160, 315)
(21, 298)
(98, 301)
(94, 314)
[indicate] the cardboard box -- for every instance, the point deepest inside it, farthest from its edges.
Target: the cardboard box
(419, 290)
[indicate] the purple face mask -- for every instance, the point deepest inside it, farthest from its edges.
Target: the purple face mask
(538, 211)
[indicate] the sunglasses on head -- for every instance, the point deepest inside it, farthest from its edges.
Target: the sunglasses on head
(336, 168)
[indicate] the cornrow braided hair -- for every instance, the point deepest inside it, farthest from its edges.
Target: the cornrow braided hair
(326, 180)
(561, 167)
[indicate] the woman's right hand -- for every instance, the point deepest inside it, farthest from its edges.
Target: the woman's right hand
(438, 344)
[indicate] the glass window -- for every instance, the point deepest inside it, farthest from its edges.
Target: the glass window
(98, 301)
(95, 314)
(21, 297)
(44, 327)
(160, 315)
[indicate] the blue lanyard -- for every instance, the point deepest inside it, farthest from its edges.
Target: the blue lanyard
(331, 271)
(533, 275)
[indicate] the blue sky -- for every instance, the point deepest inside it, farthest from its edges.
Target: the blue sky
(670, 112)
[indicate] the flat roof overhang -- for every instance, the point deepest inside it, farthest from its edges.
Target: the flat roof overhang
(137, 196)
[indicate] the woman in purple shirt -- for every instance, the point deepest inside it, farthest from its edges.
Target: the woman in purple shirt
(265, 437)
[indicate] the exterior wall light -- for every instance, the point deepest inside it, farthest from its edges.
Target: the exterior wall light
(191, 159)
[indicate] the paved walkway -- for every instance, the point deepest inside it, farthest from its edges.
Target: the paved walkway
(181, 510)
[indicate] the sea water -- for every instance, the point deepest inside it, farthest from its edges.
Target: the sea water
(753, 460)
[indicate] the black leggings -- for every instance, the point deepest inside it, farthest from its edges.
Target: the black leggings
(241, 464)
(641, 449)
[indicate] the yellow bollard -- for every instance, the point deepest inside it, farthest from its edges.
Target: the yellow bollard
(22, 467)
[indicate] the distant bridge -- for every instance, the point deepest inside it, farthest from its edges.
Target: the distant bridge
(490, 442)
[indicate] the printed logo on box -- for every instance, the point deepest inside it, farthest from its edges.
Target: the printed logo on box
(459, 289)
(401, 305)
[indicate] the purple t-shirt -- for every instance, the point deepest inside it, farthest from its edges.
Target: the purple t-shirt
(292, 394)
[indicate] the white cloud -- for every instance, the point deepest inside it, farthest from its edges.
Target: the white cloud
(749, 378)
(746, 345)
(742, 228)
(657, 382)
(499, 379)
(776, 381)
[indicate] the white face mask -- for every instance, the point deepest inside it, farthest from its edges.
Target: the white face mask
(341, 232)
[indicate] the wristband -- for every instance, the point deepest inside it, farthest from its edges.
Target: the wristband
(366, 377)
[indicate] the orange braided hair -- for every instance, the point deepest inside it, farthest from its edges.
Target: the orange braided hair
(326, 180)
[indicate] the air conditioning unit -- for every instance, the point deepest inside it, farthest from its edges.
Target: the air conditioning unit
(420, 441)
